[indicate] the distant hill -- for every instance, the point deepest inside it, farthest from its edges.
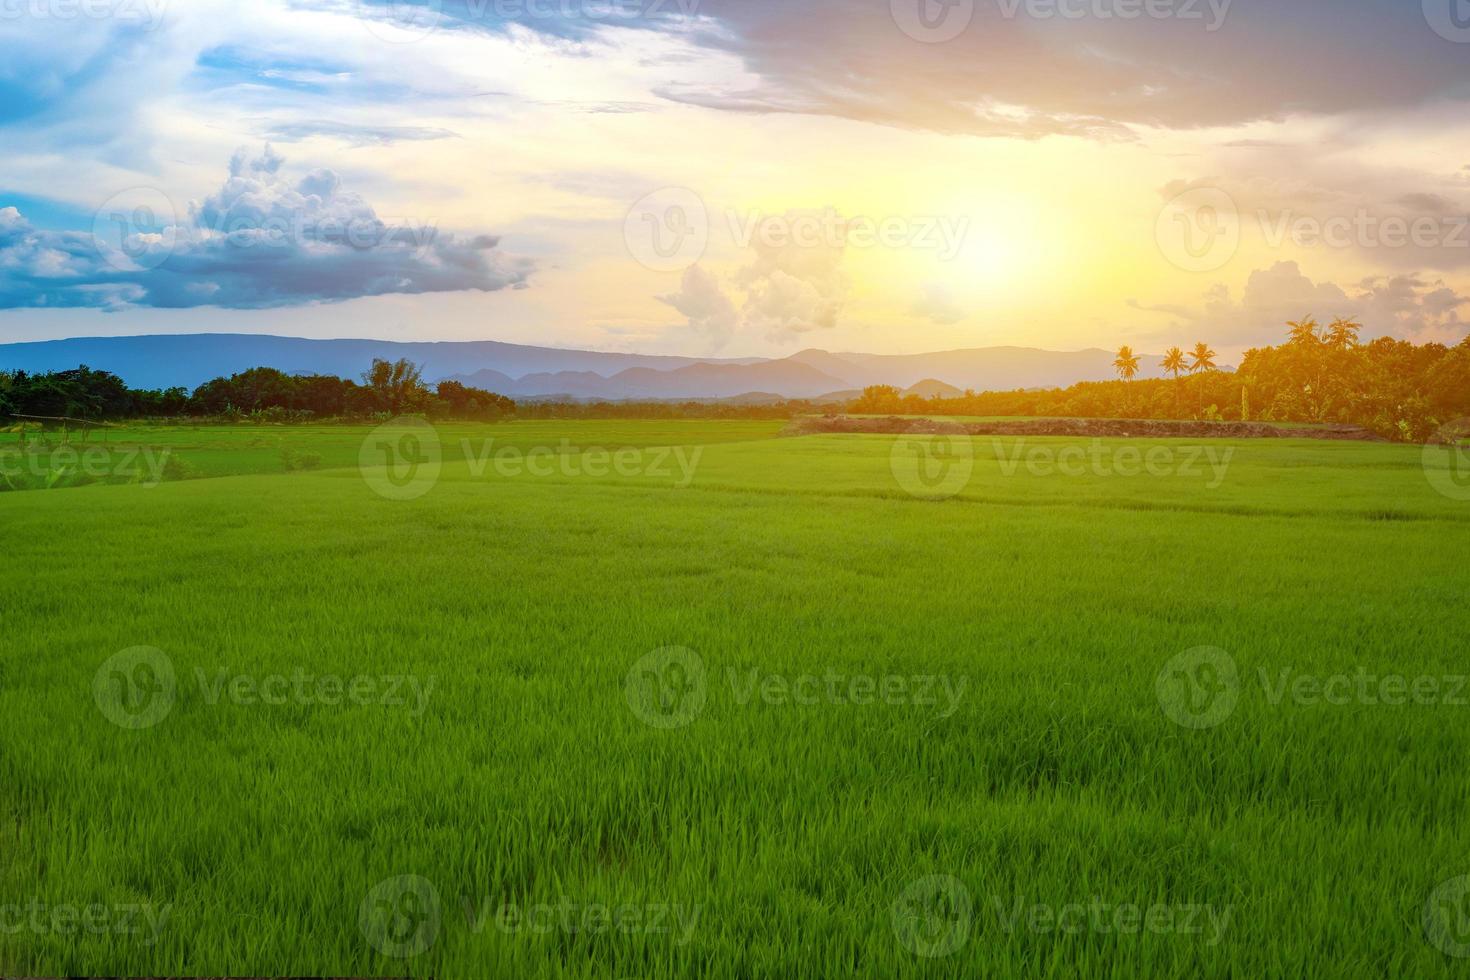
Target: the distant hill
(933, 389)
(188, 360)
(166, 360)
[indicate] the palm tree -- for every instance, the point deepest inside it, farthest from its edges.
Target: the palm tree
(1202, 362)
(1127, 363)
(1304, 331)
(1127, 367)
(1174, 364)
(1343, 333)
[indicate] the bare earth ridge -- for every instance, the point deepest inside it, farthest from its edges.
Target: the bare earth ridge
(1102, 428)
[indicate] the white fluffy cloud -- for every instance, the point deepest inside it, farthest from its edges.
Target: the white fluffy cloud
(263, 240)
(1400, 306)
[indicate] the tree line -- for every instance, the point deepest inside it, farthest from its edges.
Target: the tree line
(263, 394)
(1319, 374)
(1394, 388)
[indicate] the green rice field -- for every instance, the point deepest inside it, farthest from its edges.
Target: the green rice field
(695, 698)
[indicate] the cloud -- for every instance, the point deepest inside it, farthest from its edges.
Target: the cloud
(796, 284)
(703, 300)
(1405, 306)
(1029, 69)
(938, 306)
(261, 241)
(354, 134)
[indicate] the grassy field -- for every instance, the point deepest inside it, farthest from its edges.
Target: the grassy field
(691, 699)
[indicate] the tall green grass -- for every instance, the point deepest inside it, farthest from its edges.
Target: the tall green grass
(816, 838)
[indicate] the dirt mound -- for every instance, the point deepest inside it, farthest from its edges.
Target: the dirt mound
(1098, 428)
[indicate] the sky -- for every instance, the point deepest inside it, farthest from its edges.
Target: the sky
(736, 177)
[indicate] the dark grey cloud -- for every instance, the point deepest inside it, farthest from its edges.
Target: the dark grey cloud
(261, 241)
(1031, 68)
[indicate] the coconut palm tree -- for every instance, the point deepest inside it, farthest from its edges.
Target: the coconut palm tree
(1304, 331)
(1174, 364)
(1202, 361)
(1343, 333)
(1126, 364)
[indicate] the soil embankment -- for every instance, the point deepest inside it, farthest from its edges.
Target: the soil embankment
(1098, 428)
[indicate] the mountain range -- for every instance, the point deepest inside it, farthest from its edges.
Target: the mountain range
(188, 360)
